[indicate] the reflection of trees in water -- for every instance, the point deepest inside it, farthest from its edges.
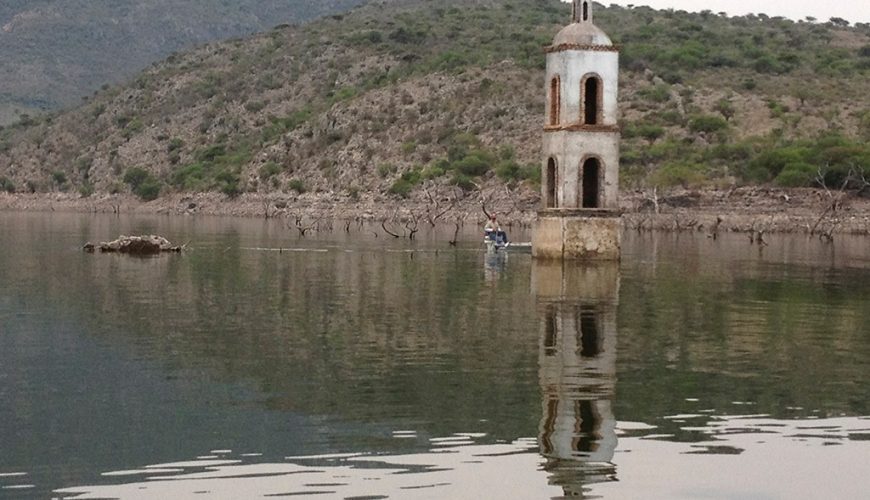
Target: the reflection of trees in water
(365, 335)
(577, 371)
(373, 334)
(773, 334)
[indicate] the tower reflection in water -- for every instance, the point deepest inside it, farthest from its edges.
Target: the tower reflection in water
(577, 306)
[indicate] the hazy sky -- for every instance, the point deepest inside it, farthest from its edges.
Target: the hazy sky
(856, 11)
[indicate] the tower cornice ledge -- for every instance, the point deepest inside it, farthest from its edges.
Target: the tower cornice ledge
(579, 127)
(577, 46)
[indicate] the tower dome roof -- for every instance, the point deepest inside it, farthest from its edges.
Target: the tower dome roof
(582, 33)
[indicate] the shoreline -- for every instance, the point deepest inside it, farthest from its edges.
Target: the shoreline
(752, 210)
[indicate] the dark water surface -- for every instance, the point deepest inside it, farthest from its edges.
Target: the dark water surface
(349, 365)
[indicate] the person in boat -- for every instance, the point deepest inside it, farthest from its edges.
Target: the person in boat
(492, 227)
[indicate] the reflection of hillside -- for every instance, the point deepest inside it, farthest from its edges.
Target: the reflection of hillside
(367, 335)
(577, 371)
(728, 322)
(370, 334)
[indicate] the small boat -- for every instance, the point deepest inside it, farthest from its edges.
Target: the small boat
(495, 240)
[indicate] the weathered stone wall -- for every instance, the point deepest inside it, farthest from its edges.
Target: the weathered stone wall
(574, 236)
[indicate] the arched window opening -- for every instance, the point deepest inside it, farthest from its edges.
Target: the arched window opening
(591, 171)
(555, 103)
(548, 427)
(591, 94)
(585, 13)
(590, 340)
(550, 198)
(590, 424)
(551, 333)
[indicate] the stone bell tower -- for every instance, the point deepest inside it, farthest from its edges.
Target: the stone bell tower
(579, 217)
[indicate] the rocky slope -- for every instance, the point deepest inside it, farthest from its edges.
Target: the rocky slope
(53, 53)
(421, 99)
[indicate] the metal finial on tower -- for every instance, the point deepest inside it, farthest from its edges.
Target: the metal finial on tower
(581, 11)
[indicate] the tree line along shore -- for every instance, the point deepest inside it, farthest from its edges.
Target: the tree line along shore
(755, 211)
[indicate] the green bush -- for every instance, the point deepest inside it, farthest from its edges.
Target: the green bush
(508, 170)
(148, 190)
(373, 37)
(59, 177)
(344, 94)
(142, 183)
(463, 181)
(190, 177)
(211, 153)
(864, 125)
(768, 165)
(174, 145)
(86, 190)
(296, 185)
(796, 175)
(405, 184)
(835, 157)
(647, 131)
(217, 167)
(681, 173)
(133, 127)
(401, 188)
(432, 172)
(7, 185)
(385, 169)
(474, 164)
(657, 93)
(707, 124)
(229, 183)
(269, 170)
(135, 176)
(512, 171)
(255, 106)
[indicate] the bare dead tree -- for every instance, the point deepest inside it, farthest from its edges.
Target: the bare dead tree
(391, 219)
(756, 235)
(714, 229)
(483, 207)
(640, 225)
(512, 199)
(384, 227)
(827, 235)
(862, 180)
(434, 211)
(298, 223)
(458, 225)
(411, 225)
(835, 198)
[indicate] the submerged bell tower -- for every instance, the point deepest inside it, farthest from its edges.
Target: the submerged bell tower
(579, 217)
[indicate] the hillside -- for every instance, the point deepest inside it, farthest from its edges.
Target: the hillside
(52, 53)
(408, 97)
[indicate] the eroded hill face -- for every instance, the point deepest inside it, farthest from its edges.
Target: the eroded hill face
(52, 53)
(403, 98)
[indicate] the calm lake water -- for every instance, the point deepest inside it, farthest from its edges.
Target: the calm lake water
(349, 365)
